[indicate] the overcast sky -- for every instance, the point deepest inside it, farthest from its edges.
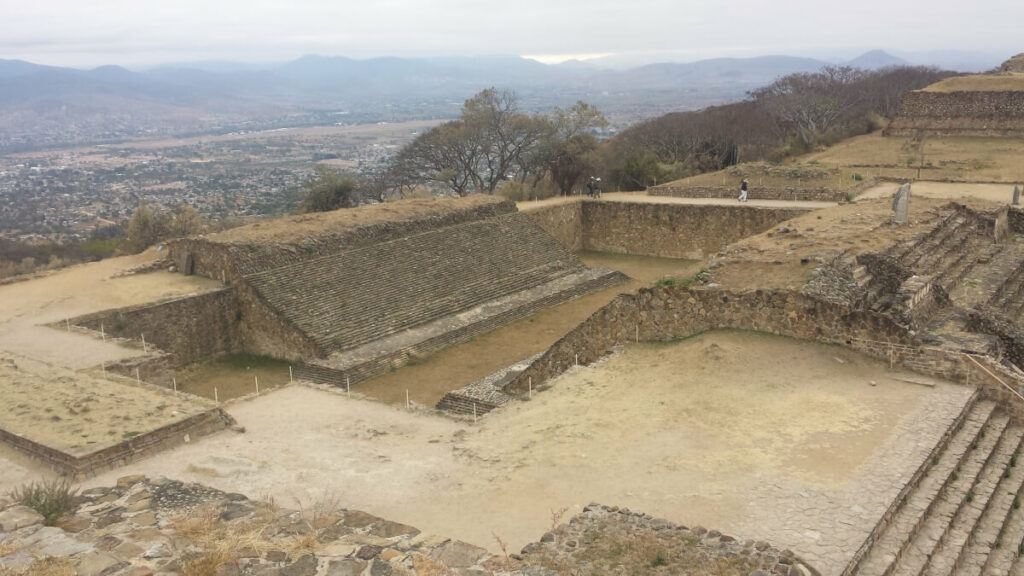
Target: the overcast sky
(136, 32)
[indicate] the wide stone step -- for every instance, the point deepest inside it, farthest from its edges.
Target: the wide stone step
(891, 543)
(381, 356)
(994, 543)
(928, 245)
(966, 524)
(939, 519)
(345, 300)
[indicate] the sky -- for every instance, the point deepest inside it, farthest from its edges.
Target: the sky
(142, 32)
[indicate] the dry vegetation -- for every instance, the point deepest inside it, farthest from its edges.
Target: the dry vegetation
(49, 566)
(980, 83)
(609, 549)
(965, 159)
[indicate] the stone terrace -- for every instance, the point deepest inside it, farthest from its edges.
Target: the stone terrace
(354, 297)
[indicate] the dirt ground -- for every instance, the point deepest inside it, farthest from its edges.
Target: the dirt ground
(966, 159)
(803, 451)
(80, 413)
(298, 228)
(980, 82)
(429, 380)
(644, 198)
(232, 376)
(997, 193)
(26, 306)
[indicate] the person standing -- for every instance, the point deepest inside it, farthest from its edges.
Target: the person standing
(744, 188)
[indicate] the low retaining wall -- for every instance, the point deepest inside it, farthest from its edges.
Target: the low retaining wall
(189, 328)
(674, 230)
(78, 467)
(997, 113)
(755, 193)
(668, 313)
(564, 222)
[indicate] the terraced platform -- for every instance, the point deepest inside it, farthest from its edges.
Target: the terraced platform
(345, 300)
(963, 515)
(357, 364)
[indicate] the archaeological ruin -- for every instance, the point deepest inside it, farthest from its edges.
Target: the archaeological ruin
(835, 387)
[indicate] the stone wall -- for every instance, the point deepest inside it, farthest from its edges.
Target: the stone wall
(125, 452)
(564, 222)
(755, 193)
(667, 313)
(264, 331)
(227, 260)
(674, 230)
(189, 328)
(990, 321)
(960, 114)
(1015, 220)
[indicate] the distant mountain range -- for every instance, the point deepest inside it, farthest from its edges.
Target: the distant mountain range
(47, 105)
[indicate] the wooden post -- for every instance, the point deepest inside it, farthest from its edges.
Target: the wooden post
(530, 381)
(103, 332)
(174, 383)
(144, 349)
(348, 387)
(577, 359)
(216, 397)
(291, 378)
(257, 378)
(138, 378)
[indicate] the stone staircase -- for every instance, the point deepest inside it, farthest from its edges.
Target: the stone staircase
(350, 367)
(963, 514)
(994, 280)
(345, 300)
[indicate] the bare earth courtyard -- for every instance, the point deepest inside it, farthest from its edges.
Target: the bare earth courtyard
(680, 428)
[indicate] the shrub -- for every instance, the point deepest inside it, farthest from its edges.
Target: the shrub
(54, 499)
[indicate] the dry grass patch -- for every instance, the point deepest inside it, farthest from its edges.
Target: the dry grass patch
(612, 550)
(42, 567)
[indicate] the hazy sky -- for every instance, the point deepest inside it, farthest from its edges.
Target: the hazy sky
(133, 32)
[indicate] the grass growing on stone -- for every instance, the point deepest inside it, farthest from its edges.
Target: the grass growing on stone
(53, 499)
(49, 566)
(608, 548)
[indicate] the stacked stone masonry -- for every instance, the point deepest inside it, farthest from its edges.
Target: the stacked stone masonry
(123, 453)
(347, 299)
(756, 193)
(960, 114)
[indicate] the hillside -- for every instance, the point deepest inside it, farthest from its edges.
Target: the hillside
(45, 106)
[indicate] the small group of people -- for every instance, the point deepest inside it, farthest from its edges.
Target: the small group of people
(594, 187)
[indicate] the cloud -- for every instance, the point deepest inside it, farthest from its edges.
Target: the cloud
(145, 31)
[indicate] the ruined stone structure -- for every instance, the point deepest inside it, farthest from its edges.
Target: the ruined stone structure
(944, 303)
(979, 105)
(351, 294)
(756, 193)
(960, 114)
(147, 526)
(655, 229)
(1015, 64)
